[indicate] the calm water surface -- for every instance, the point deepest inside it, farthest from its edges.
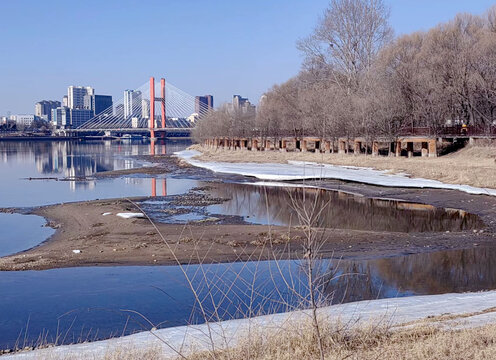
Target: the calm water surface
(20, 232)
(20, 161)
(92, 303)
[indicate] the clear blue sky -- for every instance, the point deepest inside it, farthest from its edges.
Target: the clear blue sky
(219, 47)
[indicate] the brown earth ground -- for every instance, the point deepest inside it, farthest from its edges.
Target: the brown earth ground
(473, 165)
(111, 240)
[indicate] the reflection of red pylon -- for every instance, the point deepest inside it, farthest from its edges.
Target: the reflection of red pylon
(152, 146)
(164, 187)
(154, 187)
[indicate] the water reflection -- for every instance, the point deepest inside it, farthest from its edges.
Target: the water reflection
(274, 205)
(77, 162)
(441, 272)
(93, 296)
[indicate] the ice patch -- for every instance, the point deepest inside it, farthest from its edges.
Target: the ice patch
(130, 215)
(106, 214)
(299, 170)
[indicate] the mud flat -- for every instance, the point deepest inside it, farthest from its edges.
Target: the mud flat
(86, 237)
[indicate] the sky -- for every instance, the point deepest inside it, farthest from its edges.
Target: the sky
(218, 47)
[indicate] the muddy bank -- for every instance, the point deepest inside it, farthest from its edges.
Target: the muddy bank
(110, 240)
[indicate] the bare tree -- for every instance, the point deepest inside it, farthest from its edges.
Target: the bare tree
(348, 38)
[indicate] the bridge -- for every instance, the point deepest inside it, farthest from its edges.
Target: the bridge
(142, 112)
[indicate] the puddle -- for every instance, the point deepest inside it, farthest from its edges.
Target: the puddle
(275, 206)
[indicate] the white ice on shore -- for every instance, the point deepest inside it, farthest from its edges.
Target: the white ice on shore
(299, 170)
(393, 312)
(130, 215)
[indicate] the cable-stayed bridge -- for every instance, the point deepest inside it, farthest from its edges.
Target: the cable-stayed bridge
(153, 109)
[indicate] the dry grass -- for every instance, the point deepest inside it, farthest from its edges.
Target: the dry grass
(474, 165)
(421, 342)
(296, 341)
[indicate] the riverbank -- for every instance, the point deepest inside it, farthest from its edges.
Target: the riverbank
(449, 326)
(473, 165)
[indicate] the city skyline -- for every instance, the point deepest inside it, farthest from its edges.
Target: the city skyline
(239, 57)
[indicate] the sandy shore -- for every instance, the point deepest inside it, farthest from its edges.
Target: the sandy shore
(111, 240)
(473, 166)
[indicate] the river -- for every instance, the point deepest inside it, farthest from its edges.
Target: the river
(79, 304)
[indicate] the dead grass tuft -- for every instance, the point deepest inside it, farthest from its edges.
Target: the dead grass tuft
(368, 342)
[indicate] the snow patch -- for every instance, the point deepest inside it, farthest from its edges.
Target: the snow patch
(300, 170)
(130, 215)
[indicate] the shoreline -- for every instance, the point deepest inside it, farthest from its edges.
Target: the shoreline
(473, 166)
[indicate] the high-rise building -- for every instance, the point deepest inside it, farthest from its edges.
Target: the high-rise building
(242, 105)
(43, 109)
(132, 103)
(59, 116)
(97, 103)
(65, 101)
(79, 116)
(67, 118)
(75, 96)
(203, 104)
(145, 108)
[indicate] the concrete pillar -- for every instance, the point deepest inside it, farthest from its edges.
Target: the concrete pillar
(425, 149)
(226, 143)
(432, 148)
(398, 149)
(283, 146)
(254, 144)
(409, 148)
(268, 145)
(391, 149)
(303, 144)
(327, 146)
(357, 145)
(375, 148)
(342, 146)
(471, 140)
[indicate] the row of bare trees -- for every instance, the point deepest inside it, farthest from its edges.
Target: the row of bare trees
(357, 80)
